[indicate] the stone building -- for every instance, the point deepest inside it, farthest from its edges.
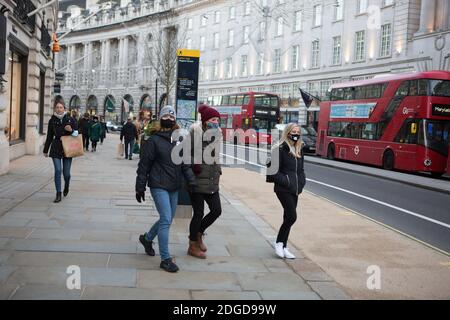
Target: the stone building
(26, 77)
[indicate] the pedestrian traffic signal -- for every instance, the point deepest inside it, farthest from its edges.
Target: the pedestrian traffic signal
(55, 47)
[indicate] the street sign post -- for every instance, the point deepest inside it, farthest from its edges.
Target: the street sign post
(186, 107)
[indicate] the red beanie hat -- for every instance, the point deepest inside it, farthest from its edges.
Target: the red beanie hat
(207, 112)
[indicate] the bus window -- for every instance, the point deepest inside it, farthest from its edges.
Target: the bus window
(274, 102)
(337, 94)
(369, 131)
(232, 100)
(413, 88)
(225, 100)
(422, 89)
(374, 91)
(440, 88)
(408, 133)
(246, 99)
(260, 124)
(360, 92)
(223, 122)
(403, 89)
(349, 93)
(239, 100)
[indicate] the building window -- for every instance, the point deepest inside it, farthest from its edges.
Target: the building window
(337, 45)
(230, 38)
(217, 17)
(229, 68)
(202, 43)
(232, 13)
(260, 64)
(361, 6)
(280, 24)
(298, 21)
(15, 112)
(216, 41)
(339, 10)
(247, 8)
(203, 19)
(262, 30)
(315, 54)
(201, 71)
(215, 70)
(317, 15)
(295, 57)
(277, 61)
(386, 38)
(246, 34)
(190, 24)
(189, 43)
(244, 66)
(387, 3)
(360, 46)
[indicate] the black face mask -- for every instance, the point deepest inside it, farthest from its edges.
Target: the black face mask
(167, 123)
(294, 137)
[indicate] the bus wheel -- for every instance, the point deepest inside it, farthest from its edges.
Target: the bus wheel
(331, 151)
(388, 160)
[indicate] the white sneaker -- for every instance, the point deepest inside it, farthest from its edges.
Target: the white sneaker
(279, 249)
(287, 254)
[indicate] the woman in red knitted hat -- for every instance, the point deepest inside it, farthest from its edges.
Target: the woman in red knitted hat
(207, 175)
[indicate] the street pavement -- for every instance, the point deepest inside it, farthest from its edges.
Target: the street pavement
(97, 228)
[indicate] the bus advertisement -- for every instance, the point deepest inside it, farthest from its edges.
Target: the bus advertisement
(247, 118)
(397, 122)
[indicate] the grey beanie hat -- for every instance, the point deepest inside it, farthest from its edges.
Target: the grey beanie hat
(167, 110)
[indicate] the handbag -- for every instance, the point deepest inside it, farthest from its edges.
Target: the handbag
(136, 149)
(72, 146)
(120, 150)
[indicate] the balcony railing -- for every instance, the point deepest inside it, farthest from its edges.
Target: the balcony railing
(23, 7)
(45, 40)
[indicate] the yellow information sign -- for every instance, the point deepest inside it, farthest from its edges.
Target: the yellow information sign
(188, 53)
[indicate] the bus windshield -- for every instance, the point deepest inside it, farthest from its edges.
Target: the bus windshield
(435, 135)
(440, 88)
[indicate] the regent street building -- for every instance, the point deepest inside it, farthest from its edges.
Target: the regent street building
(113, 59)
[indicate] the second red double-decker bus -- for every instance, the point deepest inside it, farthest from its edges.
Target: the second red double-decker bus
(396, 122)
(250, 110)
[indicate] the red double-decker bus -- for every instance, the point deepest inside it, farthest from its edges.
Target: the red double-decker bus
(396, 122)
(250, 110)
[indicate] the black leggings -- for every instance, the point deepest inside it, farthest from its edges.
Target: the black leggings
(289, 202)
(198, 222)
(86, 141)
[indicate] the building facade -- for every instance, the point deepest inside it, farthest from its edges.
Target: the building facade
(26, 77)
(112, 61)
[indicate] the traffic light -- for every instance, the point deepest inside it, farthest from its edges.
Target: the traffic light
(55, 47)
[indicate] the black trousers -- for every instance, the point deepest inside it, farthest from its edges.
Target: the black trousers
(94, 144)
(86, 141)
(198, 222)
(289, 202)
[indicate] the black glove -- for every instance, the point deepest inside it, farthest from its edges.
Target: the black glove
(140, 196)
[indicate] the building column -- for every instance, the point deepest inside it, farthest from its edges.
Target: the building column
(442, 15)
(427, 16)
(140, 47)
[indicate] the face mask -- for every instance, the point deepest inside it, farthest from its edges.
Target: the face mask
(294, 137)
(211, 125)
(167, 123)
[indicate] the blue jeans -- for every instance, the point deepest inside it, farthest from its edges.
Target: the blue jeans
(62, 166)
(129, 144)
(166, 204)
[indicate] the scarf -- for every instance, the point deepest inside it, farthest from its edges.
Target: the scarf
(60, 116)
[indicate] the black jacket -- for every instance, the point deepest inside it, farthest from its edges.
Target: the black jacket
(84, 125)
(156, 168)
(54, 133)
(129, 131)
(290, 177)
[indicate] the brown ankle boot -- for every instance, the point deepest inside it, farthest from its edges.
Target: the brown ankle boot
(195, 251)
(200, 242)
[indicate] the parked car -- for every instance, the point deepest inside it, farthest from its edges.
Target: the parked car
(309, 136)
(113, 126)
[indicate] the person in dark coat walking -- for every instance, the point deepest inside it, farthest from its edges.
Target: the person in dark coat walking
(287, 172)
(164, 178)
(130, 133)
(84, 124)
(95, 132)
(60, 124)
(104, 130)
(207, 173)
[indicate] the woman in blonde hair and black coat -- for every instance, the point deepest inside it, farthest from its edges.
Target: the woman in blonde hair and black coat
(289, 178)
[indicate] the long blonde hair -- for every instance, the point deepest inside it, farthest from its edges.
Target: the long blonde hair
(295, 148)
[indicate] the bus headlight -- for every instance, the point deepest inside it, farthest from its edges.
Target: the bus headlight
(427, 162)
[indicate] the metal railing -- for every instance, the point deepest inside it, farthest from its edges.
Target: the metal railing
(45, 40)
(21, 10)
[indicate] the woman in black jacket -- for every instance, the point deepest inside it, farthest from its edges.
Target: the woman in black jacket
(287, 172)
(207, 173)
(157, 170)
(60, 124)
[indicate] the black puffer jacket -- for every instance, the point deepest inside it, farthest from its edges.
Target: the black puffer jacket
(291, 174)
(207, 175)
(129, 131)
(84, 124)
(156, 168)
(54, 133)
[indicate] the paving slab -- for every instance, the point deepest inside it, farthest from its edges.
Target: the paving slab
(289, 295)
(57, 259)
(329, 290)
(45, 292)
(7, 290)
(271, 281)
(106, 293)
(225, 295)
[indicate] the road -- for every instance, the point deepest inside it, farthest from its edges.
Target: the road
(419, 213)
